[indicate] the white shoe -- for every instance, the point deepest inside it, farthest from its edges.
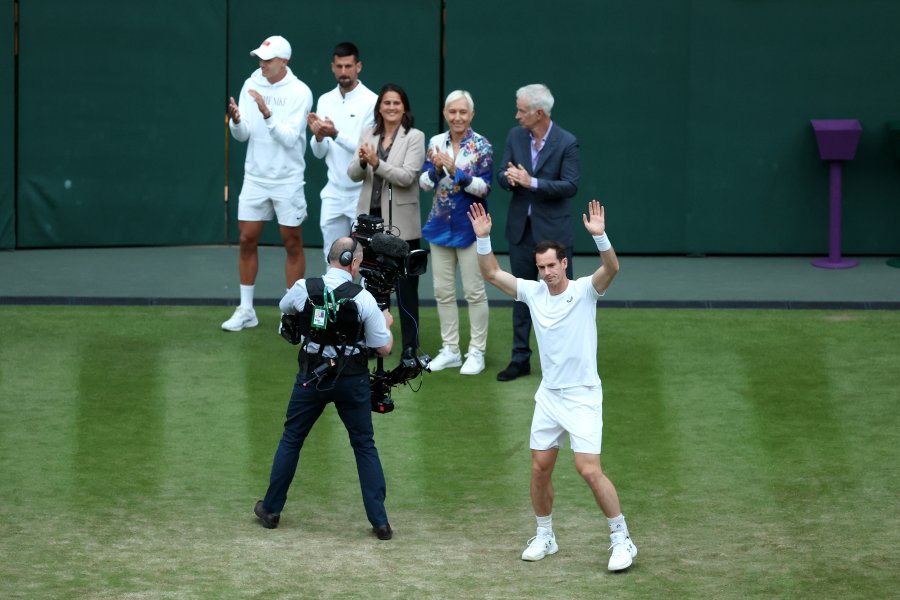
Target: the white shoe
(623, 552)
(474, 363)
(541, 545)
(241, 319)
(445, 359)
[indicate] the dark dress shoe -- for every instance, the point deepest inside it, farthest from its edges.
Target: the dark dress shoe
(266, 519)
(515, 369)
(383, 532)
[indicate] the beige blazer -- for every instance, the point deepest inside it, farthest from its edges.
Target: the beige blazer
(401, 169)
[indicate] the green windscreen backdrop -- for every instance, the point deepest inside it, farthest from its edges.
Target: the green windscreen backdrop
(693, 116)
(7, 121)
(398, 40)
(120, 122)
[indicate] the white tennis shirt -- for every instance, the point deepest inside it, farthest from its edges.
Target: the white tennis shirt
(566, 330)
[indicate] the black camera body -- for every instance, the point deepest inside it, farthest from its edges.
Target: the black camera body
(386, 258)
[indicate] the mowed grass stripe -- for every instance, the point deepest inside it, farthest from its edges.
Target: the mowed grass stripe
(755, 453)
(686, 442)
(205, 425)
(37, 390)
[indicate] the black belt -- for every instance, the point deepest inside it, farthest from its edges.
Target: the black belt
(355, 364)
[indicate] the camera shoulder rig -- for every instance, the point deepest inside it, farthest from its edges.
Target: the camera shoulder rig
(328, 318)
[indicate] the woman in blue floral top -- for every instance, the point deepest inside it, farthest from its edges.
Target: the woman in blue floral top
(458, 169)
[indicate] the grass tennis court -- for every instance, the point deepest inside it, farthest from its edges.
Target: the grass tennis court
(755, 454)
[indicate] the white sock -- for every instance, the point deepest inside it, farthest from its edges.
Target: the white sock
(247, 296)
(617, 524)
(545, 522)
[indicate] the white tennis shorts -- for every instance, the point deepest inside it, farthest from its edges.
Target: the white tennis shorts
(262, 202)
(577, 411)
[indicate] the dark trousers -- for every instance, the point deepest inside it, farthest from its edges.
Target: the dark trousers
(408, 304)
(352, 400)
(522, 264)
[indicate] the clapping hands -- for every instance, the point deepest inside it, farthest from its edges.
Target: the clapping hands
(442, 160)
(368, 154)
(321, 128)
(517, 175)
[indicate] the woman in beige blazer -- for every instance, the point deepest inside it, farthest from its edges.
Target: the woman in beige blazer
(390, 159)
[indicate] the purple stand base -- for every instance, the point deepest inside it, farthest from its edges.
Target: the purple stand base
(834, 260)
(840, 263)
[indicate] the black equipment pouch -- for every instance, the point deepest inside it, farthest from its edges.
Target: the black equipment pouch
(290, 328)
(331, 318)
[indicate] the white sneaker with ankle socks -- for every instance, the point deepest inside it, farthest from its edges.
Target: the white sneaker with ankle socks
(474, 363)
(241, 319)
(623, 551)
(445, 359)
(541, 545)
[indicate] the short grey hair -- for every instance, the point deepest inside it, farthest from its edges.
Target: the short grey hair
(457, 95)
(536, 96)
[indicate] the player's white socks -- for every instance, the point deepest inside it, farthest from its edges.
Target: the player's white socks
(545, 522)
(617, 524)
(247, 296)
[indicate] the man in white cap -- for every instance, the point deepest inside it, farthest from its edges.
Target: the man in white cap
(271, 113)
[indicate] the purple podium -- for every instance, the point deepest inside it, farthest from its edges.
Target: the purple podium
(837, 140)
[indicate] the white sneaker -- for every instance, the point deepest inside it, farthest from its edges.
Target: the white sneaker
(541, 545)
(445, 359)
(241, 319)
(474, 363)
(623, 552)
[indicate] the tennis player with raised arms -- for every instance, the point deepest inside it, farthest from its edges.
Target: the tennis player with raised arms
(569, 399)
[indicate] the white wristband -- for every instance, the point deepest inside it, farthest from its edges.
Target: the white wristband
(483, 245)
(602, 242)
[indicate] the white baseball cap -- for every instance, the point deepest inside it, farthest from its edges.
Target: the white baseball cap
(272, 47)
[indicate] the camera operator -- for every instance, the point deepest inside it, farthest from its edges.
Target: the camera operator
(333, 373)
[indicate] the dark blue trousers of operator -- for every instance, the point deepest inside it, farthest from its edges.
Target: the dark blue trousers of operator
(352, 399)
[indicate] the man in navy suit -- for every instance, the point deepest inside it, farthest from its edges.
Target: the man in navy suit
(540, 166)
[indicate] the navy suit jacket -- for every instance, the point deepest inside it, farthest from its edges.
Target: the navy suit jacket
(558, 169)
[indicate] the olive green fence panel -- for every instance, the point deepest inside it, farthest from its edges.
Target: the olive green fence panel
(120, 123)
(693, 116)
(7, 130)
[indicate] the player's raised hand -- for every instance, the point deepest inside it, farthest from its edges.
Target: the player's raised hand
(594, 221)
(480, 219)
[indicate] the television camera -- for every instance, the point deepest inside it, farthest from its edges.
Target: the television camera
(387, 258)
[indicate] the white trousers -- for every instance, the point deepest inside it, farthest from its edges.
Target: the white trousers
(336, 220)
